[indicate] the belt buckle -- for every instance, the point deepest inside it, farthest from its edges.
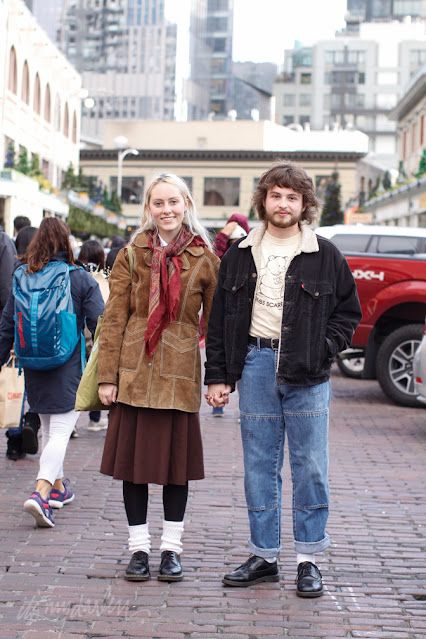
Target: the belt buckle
(275, 343)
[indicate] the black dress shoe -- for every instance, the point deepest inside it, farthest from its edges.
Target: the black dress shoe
(253, 571)
(138, 568)
(170, 567)
(309, 580)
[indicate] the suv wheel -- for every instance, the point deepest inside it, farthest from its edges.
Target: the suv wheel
(351, 366)
(394, 365)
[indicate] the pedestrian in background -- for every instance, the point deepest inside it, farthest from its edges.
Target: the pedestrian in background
(149, 368)
(23, 239)
(92, 256)
(51, 393)
(7, 266)
(289, 304)
(20, 222)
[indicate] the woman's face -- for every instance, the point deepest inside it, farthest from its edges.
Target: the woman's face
(167, 209)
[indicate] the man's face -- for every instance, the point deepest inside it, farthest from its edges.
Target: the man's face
(283, 207)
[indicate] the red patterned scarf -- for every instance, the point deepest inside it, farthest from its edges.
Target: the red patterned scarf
(164, 292)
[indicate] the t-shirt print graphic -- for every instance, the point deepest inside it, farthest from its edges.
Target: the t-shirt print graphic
(271, 283)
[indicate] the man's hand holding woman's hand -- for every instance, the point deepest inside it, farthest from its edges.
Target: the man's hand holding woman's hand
(217, 395)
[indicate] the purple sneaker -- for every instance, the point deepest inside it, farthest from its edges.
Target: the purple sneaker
(41, 511)
(58, 499)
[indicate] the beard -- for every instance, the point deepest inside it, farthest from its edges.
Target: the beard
(283, 223)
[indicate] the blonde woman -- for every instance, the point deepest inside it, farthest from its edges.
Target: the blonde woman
(149, 368)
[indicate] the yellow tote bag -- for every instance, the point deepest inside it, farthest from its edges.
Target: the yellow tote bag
(87, 397)
(12, 388)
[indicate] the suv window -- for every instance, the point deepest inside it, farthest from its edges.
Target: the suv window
(400, 245)
(355, 243)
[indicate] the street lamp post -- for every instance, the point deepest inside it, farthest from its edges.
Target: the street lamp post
(121, 156)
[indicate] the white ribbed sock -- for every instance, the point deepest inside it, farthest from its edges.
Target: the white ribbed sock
(301, 557)
(139, 538)
(270, 560)
(172, 535)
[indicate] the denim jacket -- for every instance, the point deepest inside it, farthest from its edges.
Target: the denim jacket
(320, 311)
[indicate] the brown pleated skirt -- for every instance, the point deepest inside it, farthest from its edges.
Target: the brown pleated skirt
(153, 446)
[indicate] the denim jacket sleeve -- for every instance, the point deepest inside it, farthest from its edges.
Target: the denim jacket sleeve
(215, 366)
(346, 313)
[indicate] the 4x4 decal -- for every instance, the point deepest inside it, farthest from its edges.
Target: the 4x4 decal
(368, 275)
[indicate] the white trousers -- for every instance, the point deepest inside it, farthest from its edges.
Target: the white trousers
(55, 435)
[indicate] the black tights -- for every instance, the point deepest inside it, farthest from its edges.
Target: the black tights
(136, 502)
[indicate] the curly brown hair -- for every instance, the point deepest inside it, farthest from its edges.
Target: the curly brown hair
(290, 176)
(51, 238)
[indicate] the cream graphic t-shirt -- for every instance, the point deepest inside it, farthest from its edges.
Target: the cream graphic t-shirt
(276, 255)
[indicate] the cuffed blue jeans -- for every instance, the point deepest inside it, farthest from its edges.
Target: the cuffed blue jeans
(269, 412)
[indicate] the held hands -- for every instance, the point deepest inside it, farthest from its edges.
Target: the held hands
(217, 395)
(107, 393)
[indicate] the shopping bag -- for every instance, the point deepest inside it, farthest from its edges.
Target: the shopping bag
(12, 390)
(87, 397)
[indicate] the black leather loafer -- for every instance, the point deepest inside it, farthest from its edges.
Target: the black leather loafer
(138, 568)
(309, 580)
(170, 567)
(254, 571)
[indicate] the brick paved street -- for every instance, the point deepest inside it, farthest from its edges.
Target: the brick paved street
(67, 582)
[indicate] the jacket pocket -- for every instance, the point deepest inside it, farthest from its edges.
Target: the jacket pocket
(133, 345)
(179, 356)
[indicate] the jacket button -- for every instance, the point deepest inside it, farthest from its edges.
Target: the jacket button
(149, 363)
(316, 293)
(254, 274)
(234, 288)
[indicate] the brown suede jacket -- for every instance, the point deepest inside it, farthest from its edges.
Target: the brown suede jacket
(172, 377)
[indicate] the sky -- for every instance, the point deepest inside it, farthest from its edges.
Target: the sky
(264, 28)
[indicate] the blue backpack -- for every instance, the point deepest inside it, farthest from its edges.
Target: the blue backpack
(46, 332)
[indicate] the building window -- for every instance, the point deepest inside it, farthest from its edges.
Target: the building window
(288, 119)
(305, 99)
(417, 57)
(47, 104)
(57, 114)
(304, 119)
(187, 180)
(25, 90)
(289, 99)
(66, 121)
(74, 128)
(13, 71)
(37, 94)
(305, 78)
(131, 188)
(221, 191)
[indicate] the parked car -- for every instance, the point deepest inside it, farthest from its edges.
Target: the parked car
(389, 267)
(419, 369)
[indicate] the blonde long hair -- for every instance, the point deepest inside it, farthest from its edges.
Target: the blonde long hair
(191, 218)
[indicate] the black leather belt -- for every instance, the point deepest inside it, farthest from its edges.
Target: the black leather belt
(265, 342)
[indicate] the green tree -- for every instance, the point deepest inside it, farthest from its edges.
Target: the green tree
(387, 181)
(35, 170)
(115, 204)
(23, 165)
(402, 174)
(9, 162)
(70, 180)
(332, 209)
(422, 165)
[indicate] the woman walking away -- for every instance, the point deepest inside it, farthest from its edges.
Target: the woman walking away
(149, 368)
(50, 301)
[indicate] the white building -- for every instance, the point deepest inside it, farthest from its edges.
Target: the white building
(39, 112)
(354, 80)
(405, 204)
